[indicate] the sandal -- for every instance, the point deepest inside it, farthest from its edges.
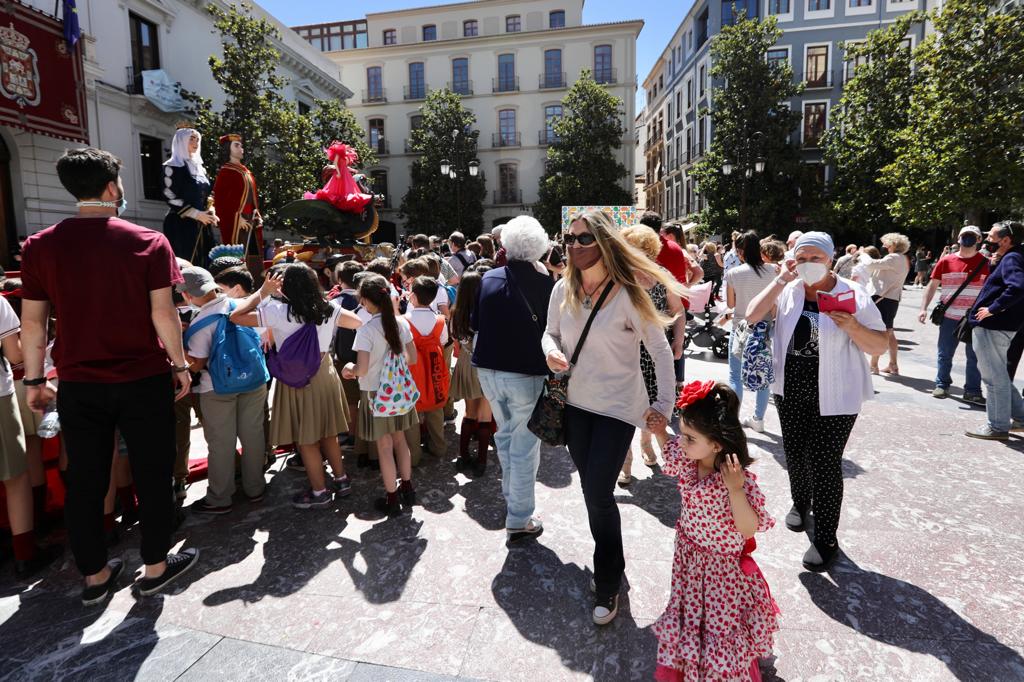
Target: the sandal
(893, 370)
(624, 479)
(650, 456)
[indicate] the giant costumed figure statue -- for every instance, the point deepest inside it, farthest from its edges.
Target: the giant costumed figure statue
(190, 218)
(238, 203)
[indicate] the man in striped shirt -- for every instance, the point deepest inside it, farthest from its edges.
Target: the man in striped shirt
(948, 274)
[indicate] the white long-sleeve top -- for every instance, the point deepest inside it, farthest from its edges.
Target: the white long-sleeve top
(844, 382)
(607, 379)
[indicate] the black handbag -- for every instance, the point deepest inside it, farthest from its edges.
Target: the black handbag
(963, 329)
(548, 419)
(939, 311)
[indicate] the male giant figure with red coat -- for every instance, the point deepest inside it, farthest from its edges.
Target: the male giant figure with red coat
(238, 205)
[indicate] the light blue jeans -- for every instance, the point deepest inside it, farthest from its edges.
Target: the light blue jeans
(736, 383)
(1004, 402)
(512, 397)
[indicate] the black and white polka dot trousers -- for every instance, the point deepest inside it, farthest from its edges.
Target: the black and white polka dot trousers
(814, 448)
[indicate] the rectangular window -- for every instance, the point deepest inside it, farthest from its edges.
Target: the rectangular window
(380, 185)
(460, 76)
(689, 94)
(507, 127)
(553, 69)
(679, 103)
(506, 72)
(702, 78)
(819, 5)
(731, 10)
(390, 37)
(417, 86)
(145, 49)
(374, 84)
(508, 184)
(429, 32)
(551, 114)
(816, 67)
(603, 71)
(416, 122)
(815, 121)
(151, 159)
(860, 3)
(513, 24)
(470, 28)
(556, 19)
(850, 64)
(702, 28)
(689, 145)
(376, 128)
(776, 57)
(778, 7)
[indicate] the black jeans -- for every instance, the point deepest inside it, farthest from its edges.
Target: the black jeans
(143, 412)
(598, 446)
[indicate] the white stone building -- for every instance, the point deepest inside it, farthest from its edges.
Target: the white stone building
(120, 38)
(511, 60)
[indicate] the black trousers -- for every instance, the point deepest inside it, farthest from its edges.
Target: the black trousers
(598, 447)
(143, 412)
(814, 447)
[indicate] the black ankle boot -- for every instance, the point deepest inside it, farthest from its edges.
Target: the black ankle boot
(796, 519)
(819, 558)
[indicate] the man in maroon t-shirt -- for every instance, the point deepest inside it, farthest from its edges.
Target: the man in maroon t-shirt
(120, 362)
(673, 258)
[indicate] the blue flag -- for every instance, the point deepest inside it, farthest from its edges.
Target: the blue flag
(72, 32)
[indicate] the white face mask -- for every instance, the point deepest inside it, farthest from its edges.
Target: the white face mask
(812, 273)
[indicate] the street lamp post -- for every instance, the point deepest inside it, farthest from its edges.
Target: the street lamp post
(457, 173)
(748, 170)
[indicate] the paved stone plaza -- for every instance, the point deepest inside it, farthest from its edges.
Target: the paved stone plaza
(931, 586)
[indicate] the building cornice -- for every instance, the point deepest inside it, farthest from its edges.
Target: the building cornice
(430, 9)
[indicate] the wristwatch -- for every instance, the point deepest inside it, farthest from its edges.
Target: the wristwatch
(34, 382)
(180, 370)
(781, 281)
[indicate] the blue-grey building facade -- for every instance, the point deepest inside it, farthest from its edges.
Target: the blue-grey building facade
(677, 127)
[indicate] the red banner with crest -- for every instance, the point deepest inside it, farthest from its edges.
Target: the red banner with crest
(42, 84)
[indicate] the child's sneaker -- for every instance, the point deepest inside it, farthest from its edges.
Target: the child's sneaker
(342, 486)
(309, 499)
(389, 504)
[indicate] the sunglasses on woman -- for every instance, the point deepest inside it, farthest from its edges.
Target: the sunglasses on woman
(584, 239)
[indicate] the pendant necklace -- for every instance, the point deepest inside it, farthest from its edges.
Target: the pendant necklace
(587, 302)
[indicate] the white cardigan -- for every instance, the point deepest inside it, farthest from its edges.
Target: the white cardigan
(844, 381)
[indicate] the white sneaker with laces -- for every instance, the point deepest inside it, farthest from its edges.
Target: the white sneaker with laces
(754, 424)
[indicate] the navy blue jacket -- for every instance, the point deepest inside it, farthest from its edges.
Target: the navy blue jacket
(1003, 294)
(508, 338)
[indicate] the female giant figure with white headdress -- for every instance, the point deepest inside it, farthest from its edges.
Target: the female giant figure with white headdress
(188, 222)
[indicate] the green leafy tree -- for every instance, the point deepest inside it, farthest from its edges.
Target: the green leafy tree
(862, 139)
(752, 121)
(283, 148)
(437, 204)
(961, 153)
(582, 168)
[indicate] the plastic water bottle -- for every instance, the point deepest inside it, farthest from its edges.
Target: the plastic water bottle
(50, 425)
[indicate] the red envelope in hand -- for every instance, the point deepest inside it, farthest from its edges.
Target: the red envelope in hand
(845, 302)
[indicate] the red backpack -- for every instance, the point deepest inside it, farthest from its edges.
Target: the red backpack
(430, 373)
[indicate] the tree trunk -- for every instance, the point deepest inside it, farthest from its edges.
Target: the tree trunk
(975, 215)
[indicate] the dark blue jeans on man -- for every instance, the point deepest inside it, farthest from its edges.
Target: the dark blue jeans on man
(947, 349)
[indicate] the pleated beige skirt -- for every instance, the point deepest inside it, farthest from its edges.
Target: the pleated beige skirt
(370, 428)
(29, 420)
(308, 414)
(465, 383)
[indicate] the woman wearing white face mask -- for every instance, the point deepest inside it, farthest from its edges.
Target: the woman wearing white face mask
(821, 380)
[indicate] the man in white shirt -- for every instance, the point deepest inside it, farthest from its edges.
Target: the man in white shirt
(731, 259)
(461, 258)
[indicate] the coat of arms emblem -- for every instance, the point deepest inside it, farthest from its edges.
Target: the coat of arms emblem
(19, 68)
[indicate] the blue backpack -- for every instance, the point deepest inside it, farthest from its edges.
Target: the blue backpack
(236, 363)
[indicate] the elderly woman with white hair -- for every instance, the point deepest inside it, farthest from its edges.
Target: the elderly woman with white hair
(509, 321)
(821, 380)
(188, 222)
(888, 276)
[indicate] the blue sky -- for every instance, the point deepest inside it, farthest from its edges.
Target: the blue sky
(661, 18)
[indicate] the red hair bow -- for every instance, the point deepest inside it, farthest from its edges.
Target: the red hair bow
(694, 391)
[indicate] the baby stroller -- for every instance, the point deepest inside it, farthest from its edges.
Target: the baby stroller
(705, 333)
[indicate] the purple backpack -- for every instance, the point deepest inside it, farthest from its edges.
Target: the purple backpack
(297, 360)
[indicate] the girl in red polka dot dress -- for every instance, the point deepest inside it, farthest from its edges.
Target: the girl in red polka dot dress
(720, 618)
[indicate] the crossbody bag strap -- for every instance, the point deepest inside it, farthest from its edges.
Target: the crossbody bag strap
(508, 277)
(949, 301)
(590, 321)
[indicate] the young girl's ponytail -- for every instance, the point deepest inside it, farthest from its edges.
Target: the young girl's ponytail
(374, 288)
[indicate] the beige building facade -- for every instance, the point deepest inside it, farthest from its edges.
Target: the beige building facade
(512, 63)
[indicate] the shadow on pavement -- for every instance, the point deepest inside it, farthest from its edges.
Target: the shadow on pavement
(901, 614)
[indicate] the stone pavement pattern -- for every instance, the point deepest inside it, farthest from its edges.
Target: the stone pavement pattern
(931, 586)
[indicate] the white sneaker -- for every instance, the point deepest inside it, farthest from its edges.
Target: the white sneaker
(606, 610)
(754, 424)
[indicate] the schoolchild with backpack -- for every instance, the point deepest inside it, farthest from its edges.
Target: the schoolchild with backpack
(346, 295)
(430, 334)
(232, 390)
(388, 395)
(307, 407)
